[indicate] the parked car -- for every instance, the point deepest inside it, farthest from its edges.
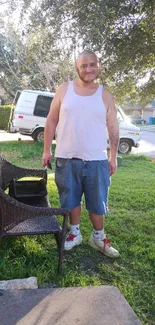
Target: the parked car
(137, 120)
(32, 107)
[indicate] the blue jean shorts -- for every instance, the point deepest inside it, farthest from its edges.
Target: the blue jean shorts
(75, 177)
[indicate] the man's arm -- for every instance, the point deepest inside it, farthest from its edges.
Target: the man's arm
(113, 130)
(51, 123)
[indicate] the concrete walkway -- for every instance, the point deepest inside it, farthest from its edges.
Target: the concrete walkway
(6, 136)
(103, 305)
(150, 128)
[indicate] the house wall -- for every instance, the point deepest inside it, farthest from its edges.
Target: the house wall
(128, 111)
(137, 112)
(146, 114)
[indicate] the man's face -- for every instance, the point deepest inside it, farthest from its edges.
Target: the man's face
(88, 68)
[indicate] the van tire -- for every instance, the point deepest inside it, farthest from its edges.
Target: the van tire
(38, 135)
(125, 146)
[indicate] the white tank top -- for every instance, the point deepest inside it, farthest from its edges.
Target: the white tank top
(81, 131)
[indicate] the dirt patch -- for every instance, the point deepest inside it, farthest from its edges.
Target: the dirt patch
(88, 264)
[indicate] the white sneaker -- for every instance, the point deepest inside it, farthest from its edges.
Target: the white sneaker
(72, 239)
(103, 246)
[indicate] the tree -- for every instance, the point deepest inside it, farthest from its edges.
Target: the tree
(121, 30)
(26, 62)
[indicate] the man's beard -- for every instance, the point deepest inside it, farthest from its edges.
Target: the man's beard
(87, 81)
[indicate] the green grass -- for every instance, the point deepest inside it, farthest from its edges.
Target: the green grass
(130, 225)
(24, 154)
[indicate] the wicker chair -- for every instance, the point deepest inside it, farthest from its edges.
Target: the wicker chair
(32, 216)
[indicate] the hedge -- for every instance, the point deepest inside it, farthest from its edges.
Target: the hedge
(5, 111)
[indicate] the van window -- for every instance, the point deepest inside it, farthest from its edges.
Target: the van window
(42, 106)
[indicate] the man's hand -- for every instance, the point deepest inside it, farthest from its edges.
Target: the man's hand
(112, 166)
(47, 159)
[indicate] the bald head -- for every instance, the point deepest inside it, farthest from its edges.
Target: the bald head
(87, 66)
(86, 53)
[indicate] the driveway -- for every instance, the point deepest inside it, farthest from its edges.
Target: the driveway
(147, 144)
(6, 136)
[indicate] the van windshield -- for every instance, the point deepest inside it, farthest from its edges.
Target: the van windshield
(122, 116)
(16, 98)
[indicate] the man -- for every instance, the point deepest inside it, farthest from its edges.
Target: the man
(83, 109)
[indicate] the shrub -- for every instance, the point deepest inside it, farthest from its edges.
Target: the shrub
(5, 111)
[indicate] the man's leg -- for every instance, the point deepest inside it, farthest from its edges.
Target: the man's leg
(97, 221)
(68, 180)
(75, 215)
(74, 236)
(96, 186)
(98, 239)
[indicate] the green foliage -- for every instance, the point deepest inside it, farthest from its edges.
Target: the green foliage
(5, 111)
(9, 106)
(40, 53)
(130, 226)
(122, 31)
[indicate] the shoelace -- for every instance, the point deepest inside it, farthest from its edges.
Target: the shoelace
(106, 243)
(70, 237)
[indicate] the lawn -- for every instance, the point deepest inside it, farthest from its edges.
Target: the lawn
(130, 225)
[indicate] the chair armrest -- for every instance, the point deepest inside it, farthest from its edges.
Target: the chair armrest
(38, 210)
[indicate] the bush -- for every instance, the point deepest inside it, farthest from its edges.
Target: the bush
(5, 111)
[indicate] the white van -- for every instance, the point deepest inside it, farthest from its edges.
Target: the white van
(32, 108)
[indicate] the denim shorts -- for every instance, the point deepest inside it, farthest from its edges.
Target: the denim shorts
(75, 177)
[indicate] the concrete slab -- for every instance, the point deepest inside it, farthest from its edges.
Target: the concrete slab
(19, 284)
(103, 305)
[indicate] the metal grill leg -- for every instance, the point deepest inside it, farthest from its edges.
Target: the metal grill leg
(63, 236)
(58, 239)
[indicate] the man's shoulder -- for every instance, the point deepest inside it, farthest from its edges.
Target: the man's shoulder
(63, 86)
(106, 93)
(62, 90)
